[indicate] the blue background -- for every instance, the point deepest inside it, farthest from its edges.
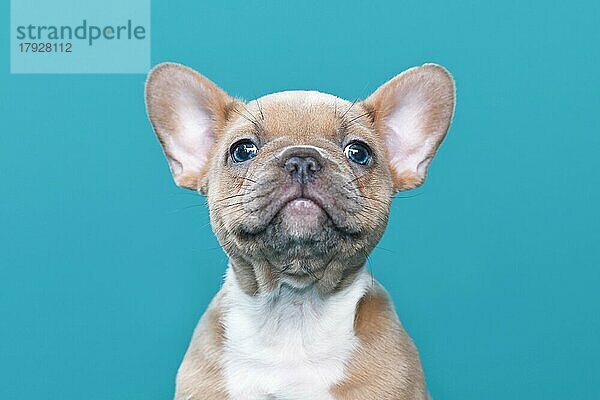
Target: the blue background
(106, 266)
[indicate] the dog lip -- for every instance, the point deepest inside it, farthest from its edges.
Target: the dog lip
(303, 198)
(298, 197)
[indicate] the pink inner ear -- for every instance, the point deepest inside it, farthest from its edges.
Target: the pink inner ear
(190, 145)
(409, 143)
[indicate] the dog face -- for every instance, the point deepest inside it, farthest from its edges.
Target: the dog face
(299, 183)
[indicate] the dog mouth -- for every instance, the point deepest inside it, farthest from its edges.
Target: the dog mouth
(300, 212)
(309, 215)
(301, 206)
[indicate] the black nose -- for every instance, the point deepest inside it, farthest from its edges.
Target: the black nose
(302, 169)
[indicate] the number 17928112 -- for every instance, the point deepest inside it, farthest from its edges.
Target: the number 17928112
(34, 47)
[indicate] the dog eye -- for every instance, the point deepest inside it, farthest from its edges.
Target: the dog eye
(243, 150)
(358, 152)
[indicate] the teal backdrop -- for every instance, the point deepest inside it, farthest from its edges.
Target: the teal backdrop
(106, 266)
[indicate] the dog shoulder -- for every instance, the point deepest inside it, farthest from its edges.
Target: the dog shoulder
(386, 365)
(200, 374)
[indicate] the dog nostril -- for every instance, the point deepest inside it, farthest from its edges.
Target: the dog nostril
(302, 169)
(312, 164)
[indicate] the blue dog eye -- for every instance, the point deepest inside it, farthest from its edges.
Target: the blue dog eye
(243, 150)
(358, 152)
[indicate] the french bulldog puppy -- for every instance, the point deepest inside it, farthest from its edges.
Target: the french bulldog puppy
(299, 185)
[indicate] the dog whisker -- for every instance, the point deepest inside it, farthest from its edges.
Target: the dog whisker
(358, 117)
(253, 122)
(225, 206)
(248, 179)
(373, 199)
(253, 116)
(234, 195)
(260, 109)
(349, 108)
(408, 196)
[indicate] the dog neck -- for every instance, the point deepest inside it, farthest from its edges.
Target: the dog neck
(260, 276)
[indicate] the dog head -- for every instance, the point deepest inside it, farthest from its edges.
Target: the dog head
(299, 183)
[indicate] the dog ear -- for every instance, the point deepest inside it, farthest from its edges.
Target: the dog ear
(412, 113)
(187, 111)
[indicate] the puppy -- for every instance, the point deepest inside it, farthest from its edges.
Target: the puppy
(299, 186)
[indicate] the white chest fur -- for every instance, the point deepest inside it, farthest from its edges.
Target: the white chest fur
(292, 345)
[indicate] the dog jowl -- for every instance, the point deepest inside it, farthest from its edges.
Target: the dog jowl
(299, 186)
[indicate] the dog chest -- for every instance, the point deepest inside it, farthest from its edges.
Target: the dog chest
(289, 345)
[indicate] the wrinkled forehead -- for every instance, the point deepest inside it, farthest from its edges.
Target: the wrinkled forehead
(300, 116)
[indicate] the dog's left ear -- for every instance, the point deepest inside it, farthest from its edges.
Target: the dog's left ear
(412, 112)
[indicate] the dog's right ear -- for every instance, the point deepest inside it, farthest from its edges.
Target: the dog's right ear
(187, 111)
